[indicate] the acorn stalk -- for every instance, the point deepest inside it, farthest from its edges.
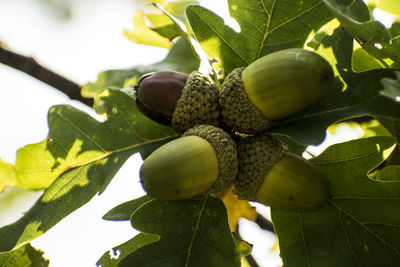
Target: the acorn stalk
(177, 99)
(273, 87)
(203, 160)
(271, 175)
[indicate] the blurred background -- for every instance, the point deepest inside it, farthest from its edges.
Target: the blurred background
(79, 39)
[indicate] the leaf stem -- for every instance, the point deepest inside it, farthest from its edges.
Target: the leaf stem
(33, 68)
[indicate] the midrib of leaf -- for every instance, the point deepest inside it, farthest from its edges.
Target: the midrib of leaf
(304, 240)
(81, 132)
(269, 13)
(128, 122)
(222, 39)
(365, 227)
(348, 239)
(266, 34)
(196, 229)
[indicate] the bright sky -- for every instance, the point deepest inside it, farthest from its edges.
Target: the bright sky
(79, 49)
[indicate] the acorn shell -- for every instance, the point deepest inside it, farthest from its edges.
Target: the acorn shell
(204, 160)
(287, 81)
(180, 169)
(271, 175)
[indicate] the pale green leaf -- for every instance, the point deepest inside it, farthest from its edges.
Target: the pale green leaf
(25, 255)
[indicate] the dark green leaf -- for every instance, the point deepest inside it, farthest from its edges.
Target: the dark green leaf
(193, 232)
(265, 26)
(359, 226)
(371, 34)
(353, 95)
(113, 257)
(124, 211)
(180, 58)
(392, 87)
(25, 255)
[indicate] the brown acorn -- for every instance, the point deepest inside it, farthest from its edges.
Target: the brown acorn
(177, 99)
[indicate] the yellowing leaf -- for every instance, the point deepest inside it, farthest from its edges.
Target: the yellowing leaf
(142, 34)
(237, 208)
(7, 175)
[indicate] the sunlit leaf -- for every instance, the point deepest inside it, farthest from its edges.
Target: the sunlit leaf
(390, 6)
(78, 160)
(25, 255)
(7, 175)
(142, 34)
(265, 26)
(237, 208)
(116, 254)
(193, 232)
(371, 34)
(360, 224)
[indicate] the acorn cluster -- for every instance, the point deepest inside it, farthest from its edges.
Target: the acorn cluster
(224, 137)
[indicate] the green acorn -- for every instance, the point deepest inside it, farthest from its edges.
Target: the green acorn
(203, 160)
(273, 87)
(270, 175)
(177, 99)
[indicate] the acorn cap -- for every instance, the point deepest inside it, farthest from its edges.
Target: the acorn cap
(226, 151)
(197, 105)
(257, 155)
(236, 109)
(272, 176)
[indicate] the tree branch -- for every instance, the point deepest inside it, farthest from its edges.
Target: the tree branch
(31, 67)
(264, 223)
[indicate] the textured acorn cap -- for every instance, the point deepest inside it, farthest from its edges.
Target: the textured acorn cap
(197, 105)
(226, 151)
(236, 109)
(257, 155)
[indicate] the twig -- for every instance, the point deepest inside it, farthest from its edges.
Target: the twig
(264, 223)
(31, 67)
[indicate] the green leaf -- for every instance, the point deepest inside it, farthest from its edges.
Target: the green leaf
(265, 26)
(193, 232)
(392, 87)
(76, 139)
(371, 34)
(142, 34)
(157, 29)
(353, 94)
(359, 226)
(113, 257)
(25, 255)
(78, 160)
(7, 175)
(180, 58)
(390, 6)
(124, 211)
(390, 173)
